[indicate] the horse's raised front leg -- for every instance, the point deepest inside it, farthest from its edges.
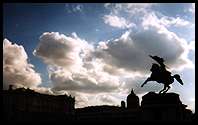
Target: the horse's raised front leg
(148, 79)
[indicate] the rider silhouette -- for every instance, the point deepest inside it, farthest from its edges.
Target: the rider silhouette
(159, 60)
(159, 69)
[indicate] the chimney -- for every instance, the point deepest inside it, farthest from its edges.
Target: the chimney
(10, 87)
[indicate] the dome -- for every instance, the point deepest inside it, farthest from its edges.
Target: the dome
(132, 101)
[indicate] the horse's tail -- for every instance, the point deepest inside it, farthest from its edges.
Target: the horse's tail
(177, 77)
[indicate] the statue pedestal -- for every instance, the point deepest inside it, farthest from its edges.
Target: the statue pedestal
(166, 106)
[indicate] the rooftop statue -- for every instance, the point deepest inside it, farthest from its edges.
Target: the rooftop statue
(161, 75)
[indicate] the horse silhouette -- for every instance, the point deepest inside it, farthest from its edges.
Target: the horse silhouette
(161, 75)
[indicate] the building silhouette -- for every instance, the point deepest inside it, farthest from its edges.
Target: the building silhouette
(21, 102)
(27, 105)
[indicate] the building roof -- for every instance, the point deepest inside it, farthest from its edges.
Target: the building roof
(30, 92)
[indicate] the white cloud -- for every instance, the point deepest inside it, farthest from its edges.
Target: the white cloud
(44, 90)
(16, 69)
(84, 99)
(151, 19)
(133, 12)
(118, 22)
(131, 8)
(59, 50)
(106, 99)
(134, 8)
(86, 83)
(71, 65)
(177, 22)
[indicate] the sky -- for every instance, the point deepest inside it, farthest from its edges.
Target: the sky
(98, 52)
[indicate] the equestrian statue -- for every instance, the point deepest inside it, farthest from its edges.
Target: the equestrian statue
(161, 75)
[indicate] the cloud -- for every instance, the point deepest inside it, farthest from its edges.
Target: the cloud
(153, 22)
(161, 21)
(84, 100)
(131, 8)
(59, 50)
(135, 12)
(118, 22)
(107, 99)
(16, 69)
(171, 21)
(71, 66)
(134, 8)
(136, 82)
(126, 15)
(131, 51)
(86, 83)
(84, 80)
(44, 90)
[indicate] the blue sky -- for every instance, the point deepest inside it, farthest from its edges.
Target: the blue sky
(96, 27)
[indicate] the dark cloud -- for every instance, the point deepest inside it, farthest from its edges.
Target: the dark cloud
(131, 50)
